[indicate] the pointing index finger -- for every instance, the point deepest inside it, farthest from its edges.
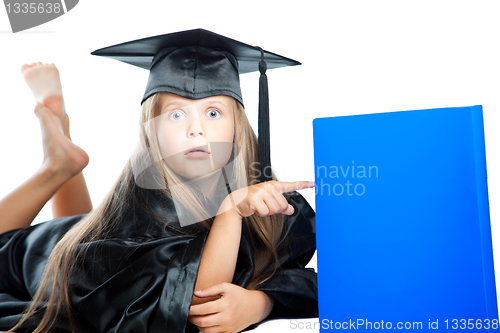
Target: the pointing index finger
(293, 186)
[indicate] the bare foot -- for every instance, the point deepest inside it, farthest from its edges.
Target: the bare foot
(60, 154)
(44, 82)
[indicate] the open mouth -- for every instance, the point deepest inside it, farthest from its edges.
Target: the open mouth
(197, 149)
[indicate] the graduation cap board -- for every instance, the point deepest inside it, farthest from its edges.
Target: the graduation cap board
(197, 64)
(402, 221)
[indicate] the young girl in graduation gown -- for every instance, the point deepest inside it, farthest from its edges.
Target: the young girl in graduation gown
(192, 236)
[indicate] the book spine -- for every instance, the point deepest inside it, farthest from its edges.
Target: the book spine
(484, 213)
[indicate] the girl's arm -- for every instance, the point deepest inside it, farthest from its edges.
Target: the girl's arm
(230, 307)
(236, 310)
(218, 260)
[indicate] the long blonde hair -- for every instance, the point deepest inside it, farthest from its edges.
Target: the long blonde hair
(265, 232)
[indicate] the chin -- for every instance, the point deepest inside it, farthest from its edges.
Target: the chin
(191, 176)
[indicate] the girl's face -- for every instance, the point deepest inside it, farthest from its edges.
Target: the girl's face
(195, 136)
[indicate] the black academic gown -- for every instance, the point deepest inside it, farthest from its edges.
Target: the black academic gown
(143, 278)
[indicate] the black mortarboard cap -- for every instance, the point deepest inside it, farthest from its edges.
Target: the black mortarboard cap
(198, 63)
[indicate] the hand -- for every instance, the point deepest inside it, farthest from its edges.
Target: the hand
(263, 198)
(236, 309)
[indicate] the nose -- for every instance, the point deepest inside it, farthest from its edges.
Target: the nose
(195, 127)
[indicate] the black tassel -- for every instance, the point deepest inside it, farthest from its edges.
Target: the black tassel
(264, 137)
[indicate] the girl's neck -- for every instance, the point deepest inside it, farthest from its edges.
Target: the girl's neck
(207, 184)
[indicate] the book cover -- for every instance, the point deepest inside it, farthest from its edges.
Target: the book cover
(402, 222)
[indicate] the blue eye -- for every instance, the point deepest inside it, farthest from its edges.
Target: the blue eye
(176, 115)
(213, 113)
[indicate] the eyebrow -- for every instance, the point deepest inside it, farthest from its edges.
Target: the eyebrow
(174, 104)
(181, 105)
(215, 102)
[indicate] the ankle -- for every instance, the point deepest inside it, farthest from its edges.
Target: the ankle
(65, 126)
(54, 171)
(55, 103)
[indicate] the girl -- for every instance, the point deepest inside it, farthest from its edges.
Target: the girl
(139, 261)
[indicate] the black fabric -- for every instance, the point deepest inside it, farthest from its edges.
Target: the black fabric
(212, 69)
(264, 135)
(142, 279)
(141, 52)
(194, 72)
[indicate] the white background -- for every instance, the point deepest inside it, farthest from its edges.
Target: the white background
(358, 57)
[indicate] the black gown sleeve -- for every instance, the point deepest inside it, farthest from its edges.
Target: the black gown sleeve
(140, 280)
(145, 287)
(23, 256)
(293, 287)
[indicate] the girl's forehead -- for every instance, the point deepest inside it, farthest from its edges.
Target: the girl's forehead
(168, 101)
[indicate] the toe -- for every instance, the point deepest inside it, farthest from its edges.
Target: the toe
(23, 67)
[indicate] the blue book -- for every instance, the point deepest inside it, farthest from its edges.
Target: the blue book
(402, 222)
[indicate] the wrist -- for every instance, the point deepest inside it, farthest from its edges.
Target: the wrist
(228, 208)
(265, 303)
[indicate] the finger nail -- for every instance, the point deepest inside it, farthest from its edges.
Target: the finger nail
(311, 184)
(198, 292)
